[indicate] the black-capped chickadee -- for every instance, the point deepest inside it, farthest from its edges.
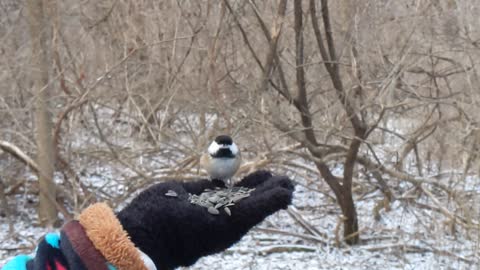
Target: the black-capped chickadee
(222, 159)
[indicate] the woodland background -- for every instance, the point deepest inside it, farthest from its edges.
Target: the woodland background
(370, 106)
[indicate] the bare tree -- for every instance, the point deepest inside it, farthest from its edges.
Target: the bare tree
(40, 32)
(305, 134)
(363, 102)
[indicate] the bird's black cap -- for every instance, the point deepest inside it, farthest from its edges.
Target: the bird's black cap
(224, 139)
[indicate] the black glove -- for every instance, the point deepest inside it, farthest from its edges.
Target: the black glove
(174, 232)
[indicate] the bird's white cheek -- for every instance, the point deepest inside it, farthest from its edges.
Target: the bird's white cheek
(213, 148)
(234, 149)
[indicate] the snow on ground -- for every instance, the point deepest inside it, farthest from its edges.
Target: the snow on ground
(399, 233)
(399, 227)
(406, 237)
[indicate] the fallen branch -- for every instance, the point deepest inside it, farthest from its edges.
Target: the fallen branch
(299, 235)
(409, 248)
(446, 212)
(448, 253)
(412, 248)
(19, 154)
(286, 248)
(24, 158)
(17, 248)
(293, 212)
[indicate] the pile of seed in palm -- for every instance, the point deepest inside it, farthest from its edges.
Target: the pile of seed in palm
(219, 198)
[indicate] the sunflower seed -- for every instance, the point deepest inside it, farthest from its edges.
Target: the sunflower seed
(213, 211)
(213, 199)
(218, 198)
(171, 193)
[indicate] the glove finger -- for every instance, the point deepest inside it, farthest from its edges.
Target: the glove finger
(252, 210)
(199, 186)
(254, 179)
(274, 182)
(165, 186)
(282, 181)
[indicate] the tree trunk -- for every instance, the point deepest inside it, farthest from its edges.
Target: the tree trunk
(350, 222)
(40, 32)
(343, 194)
(4, 207)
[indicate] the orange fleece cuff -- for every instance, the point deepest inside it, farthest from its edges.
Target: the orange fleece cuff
(108, 236)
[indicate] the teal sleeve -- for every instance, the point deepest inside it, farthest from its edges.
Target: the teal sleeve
(17, 263)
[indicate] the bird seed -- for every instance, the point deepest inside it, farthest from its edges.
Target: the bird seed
(219, 198)
(171, 193)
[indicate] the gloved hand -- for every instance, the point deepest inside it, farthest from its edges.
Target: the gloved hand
(169, 230)
(174, 232)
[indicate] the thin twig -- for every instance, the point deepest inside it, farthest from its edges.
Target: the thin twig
(294, 213)
(299, 235)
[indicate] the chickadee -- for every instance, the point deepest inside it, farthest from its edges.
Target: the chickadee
(222, 160)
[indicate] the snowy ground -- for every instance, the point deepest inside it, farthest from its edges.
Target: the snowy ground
(398, 241)
(414, 234)
(402, 239)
